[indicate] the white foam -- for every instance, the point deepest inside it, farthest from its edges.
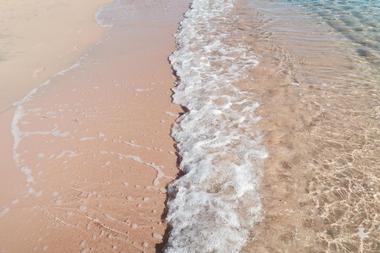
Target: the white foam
(362, 234)
(69, 153)
(152, 165)
(143, 90)
(57, 133)
(172, 114)
(110, 14)
(158, 168)
(216, 202)
(4, 211)
(89, 138)
(101, 20)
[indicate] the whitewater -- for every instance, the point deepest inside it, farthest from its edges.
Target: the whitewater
(215, 202)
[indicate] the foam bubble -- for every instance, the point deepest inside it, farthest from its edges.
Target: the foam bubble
(4, 211)
(216, 202)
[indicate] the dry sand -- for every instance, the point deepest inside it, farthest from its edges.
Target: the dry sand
(96, 139)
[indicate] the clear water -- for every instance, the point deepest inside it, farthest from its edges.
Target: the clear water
(357, 20)
(318, 86)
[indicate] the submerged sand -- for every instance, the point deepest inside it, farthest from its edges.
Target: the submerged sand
(95, 152)
(320, 108)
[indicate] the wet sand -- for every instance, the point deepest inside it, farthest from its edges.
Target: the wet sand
(40, 38)
(95, 152)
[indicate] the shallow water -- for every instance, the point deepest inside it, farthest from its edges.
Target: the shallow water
(321, 110)
(357, 20)
(319, 114)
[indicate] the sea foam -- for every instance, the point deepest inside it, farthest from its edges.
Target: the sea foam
(113, 13)
(216, 202)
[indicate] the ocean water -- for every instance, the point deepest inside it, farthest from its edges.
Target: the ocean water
(319, 88)
(357, 20)
(280, 137)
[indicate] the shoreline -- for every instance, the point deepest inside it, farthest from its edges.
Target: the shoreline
(102, 147)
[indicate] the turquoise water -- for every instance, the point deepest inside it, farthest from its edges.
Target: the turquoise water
(357, 20)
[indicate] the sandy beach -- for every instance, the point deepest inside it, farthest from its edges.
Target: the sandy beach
(94, 153)
(189, 126)
(40, 38)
